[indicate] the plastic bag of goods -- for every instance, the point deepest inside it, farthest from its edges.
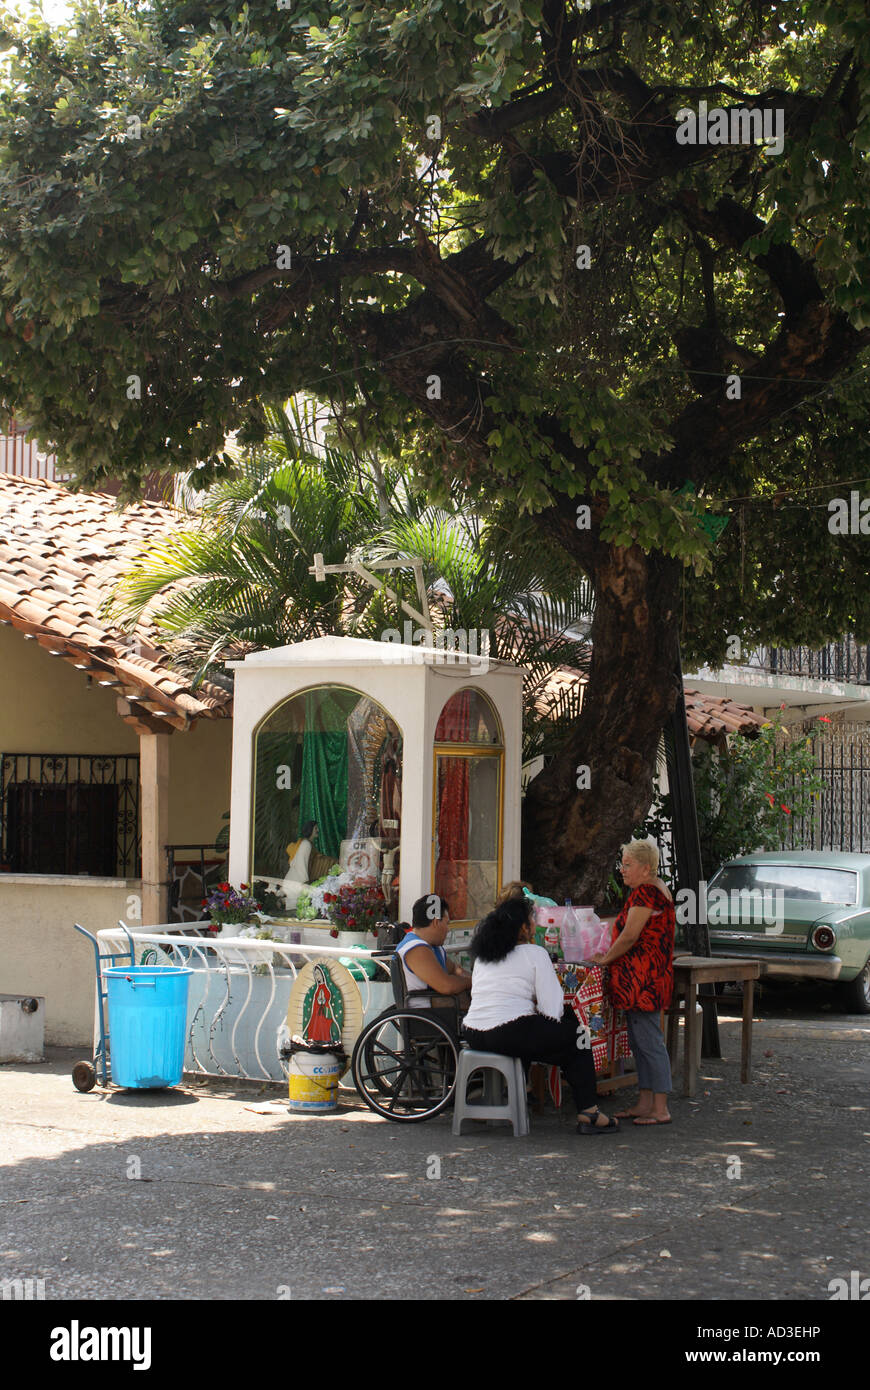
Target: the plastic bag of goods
(581, 933)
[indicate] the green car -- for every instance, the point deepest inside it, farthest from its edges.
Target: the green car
(803, 914)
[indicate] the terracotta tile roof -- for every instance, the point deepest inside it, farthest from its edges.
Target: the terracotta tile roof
(711, 716)
(708, 716)
(60, 554)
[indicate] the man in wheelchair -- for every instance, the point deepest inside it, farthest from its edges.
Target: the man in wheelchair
(431, 979)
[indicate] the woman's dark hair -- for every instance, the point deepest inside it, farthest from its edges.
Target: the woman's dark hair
(498, 933)
(305, 833)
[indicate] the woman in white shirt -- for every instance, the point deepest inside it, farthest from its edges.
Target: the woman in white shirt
(517, 1007)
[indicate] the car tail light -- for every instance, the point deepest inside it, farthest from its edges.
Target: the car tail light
(823, 938)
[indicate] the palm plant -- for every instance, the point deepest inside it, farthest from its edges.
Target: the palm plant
(235, 576)
(533, 614)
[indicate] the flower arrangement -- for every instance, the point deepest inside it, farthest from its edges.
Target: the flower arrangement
(357, 906)
(309, 904)
(226, 904)
(318, 893)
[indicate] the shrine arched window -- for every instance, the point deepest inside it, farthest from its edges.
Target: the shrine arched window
(331, 757)
(467, 814)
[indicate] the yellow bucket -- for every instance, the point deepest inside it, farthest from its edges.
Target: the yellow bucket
(313, 1079)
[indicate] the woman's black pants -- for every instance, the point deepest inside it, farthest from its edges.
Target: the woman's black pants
(536, 1038)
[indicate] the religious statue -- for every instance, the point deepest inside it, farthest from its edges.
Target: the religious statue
(298, 853)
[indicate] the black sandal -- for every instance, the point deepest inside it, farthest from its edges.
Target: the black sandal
(590, 1127)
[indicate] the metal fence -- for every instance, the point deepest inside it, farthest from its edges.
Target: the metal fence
(842, 817)
(20, 456)
(239, 993)
(69, 813)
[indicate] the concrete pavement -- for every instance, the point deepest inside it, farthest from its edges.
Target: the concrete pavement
(755, 1191)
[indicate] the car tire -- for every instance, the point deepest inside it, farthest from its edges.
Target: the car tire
(855, 994)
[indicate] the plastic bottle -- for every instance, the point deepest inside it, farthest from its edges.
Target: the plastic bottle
(552, 940)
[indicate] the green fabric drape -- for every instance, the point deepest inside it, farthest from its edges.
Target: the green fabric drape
(324, 770)
(276, 808)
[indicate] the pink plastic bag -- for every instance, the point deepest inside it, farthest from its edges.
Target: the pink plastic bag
(580, 933)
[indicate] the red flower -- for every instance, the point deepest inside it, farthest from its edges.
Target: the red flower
(223, 887)
(769, 796)
(242, 886)
(334, 932)
(785, 808)
(204, 902)
(824, 719)
(351, 922)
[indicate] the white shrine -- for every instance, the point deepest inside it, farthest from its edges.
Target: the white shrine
(398, 763)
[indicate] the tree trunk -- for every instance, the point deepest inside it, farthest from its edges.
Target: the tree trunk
(571, 836)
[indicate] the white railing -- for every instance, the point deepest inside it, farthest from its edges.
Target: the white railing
(20, 456)
(239, 992)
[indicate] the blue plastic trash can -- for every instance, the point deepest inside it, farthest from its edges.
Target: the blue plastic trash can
(147, 1023)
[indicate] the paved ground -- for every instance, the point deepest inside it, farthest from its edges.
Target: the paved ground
(231, 1204)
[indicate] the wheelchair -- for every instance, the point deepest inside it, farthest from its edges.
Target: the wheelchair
(404, 1062)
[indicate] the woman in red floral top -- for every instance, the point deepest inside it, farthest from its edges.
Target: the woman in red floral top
(641, 962)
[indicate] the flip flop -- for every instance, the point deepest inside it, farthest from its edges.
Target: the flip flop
(627, 1115)
(648, 1120)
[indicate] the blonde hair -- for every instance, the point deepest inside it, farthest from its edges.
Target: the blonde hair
(644, 852)
(512, 890)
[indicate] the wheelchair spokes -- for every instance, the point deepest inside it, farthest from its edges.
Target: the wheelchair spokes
(404, 1066)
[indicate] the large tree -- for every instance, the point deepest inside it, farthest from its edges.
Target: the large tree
(489, 233)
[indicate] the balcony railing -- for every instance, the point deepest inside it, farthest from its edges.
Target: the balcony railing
(846, 661)
(20, 456)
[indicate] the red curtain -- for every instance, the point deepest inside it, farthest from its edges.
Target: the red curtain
(451, 869)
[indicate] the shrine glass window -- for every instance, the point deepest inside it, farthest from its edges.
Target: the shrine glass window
(331, 758)
(469, 777)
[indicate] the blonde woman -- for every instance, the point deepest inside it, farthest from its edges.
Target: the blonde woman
(641, 962)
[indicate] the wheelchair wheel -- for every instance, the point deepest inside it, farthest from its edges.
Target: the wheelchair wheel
(404, 1066)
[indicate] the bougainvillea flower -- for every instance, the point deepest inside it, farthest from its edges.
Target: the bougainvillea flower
(769, 796)
(785, 808)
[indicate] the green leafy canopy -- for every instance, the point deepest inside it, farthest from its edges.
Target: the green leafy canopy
(431, 171)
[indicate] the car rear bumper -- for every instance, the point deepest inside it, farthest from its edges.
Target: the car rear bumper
(791, 967)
